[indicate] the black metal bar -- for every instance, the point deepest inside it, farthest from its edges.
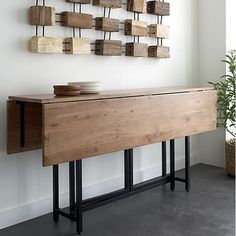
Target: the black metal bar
(128, 161)
(163, 150)
(172, 164)
(149, 184)
(79, 220)
(180, 180)
(131, 168)
(55, 193)
(187, 163)
(72, 185)
(22, 124)
(69, 216)
(104, 199)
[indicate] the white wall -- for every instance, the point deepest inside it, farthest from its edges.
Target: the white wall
(212, 49)
(26, 188)
(230, 25)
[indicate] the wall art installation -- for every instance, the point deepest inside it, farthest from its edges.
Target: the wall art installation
(42, 16)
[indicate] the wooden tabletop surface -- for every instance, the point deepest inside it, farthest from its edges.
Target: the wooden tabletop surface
(50, 98)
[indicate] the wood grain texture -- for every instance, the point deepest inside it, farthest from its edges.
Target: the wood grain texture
(136, 49)
(159, 52)
(158, 8)
(33, 127)
(136, 28)
(80, 46)
(107, 3)
(159, 31)
(79, 1)
(108, 47)
(42, 15)
(136, 6)
(78, 130)
(77, 20)
(123, 93)
(107, 24)
(46, 45)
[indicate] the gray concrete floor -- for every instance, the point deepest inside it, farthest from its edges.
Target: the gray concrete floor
(208, 210)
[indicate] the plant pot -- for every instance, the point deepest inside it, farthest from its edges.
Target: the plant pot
(230, 156)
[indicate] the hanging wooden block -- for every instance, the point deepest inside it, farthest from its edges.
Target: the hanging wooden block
(107, 24)
(77, 20)
(136, 6)
(79, 46)
(46, 45)
(158, 8)
(136, 28)
(136, 49)
(159, 51)
(159, 31)
(108, 47)
(107, 3)
(41, 15)
(79, 1)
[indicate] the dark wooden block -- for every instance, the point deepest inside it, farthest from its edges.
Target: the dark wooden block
(136, 28)
(159, 51)
(136, 6)
(79, 1)
(107, 3)
(107, 24)
(77, 20)
(41, 15)
(158, 8)
(136, 49)
(108, 47)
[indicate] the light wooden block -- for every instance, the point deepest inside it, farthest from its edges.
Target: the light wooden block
(79, 1)
(158, 8)
(159, 51)
(46, 45)
(107, 24)
(108, 47)
(136, 28)
(136, 49)
(107, 3)
(136, 6)
(79, 46)
(159, 31)
(77, 20)
(41, 15)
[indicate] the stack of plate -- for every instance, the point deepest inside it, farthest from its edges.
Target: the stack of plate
(66, 90)
(88, 86)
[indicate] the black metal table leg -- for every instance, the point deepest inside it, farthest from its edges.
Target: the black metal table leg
(55, 193)
(187, 163)
(79, 203)
(128, 160)
(163, 150)
(72, 185)
(172, 165)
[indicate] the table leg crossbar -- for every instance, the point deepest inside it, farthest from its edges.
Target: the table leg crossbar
(78, 206)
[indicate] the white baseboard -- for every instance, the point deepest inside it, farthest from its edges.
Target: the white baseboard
(41, 207)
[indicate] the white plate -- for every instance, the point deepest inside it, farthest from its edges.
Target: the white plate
(90, 90)
(92, 86)
(88, 83)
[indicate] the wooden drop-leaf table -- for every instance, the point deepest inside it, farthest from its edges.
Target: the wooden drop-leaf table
(69, 129)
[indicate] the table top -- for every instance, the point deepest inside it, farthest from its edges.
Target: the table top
(109, 94)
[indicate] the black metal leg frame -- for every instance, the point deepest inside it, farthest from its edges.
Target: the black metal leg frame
(78, 206)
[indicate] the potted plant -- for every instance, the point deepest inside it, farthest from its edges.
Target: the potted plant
(226, 108)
